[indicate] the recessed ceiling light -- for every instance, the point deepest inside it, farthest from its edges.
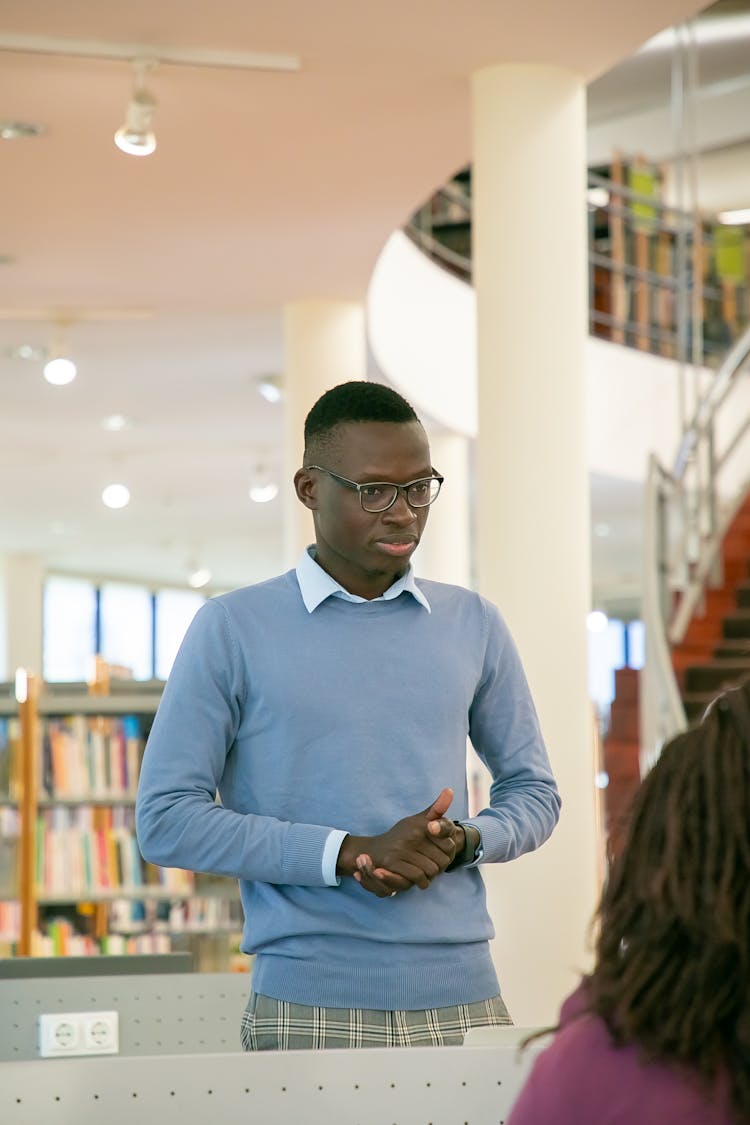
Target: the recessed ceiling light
(115, 422)
(14, 130)
(29, 352)
(116, 495)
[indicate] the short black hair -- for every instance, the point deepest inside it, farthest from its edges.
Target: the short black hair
(357, 401)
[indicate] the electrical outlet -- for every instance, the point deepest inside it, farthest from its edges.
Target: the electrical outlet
(100, 1033)
(78, 1033)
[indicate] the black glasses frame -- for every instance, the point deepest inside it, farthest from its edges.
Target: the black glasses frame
(359, 488)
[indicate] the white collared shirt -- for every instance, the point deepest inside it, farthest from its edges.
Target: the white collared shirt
(315, 586)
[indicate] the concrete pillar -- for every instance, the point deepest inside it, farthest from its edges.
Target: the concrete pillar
(532, 508)
(444, 554)
(324, 345)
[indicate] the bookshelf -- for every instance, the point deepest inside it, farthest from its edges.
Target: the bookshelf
(70, 870)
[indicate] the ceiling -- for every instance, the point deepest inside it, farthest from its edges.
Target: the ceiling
(266, 187)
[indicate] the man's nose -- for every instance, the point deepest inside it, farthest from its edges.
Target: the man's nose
(400, 511)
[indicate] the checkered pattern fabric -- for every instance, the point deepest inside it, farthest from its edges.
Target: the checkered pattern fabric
(276, 1025)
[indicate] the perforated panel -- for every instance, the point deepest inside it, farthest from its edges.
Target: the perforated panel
(400, 1086)
(177, 1013)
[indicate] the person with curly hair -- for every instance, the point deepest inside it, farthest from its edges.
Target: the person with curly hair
(659, 1033)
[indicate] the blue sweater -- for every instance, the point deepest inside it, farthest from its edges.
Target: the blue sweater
(348, 717)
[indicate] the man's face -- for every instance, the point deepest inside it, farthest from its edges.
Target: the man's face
(367, 551)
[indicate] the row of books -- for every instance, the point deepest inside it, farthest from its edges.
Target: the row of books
(10, 921)
(10, 827)
(90, 850)
(10, 758)
(91, 757)
(62, 940)
(193, 915)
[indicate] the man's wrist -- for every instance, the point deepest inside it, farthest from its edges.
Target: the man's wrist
(472, 841)
(351, 847)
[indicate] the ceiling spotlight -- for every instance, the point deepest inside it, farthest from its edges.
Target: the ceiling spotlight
(60, 371)
(263, 493)
(199, 578)
(597, 197)
(597, 621)
(116, 495)
(60, 368)
(16, 130)
(136, 136)
(269, 388)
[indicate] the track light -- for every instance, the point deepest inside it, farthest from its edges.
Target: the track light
(136, 136)
(270, 388)
(60, 368)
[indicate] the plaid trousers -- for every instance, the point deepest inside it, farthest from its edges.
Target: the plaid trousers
(277, 1025)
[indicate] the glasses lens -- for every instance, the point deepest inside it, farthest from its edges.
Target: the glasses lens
(378, 497)
(423, 492)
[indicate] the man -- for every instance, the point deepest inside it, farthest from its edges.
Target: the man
(327, 706)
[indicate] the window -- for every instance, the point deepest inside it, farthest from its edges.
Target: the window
(175, 609)
(126, 628)
(129, 625)
(69, 628)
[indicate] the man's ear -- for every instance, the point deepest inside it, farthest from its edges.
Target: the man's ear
(306, 485)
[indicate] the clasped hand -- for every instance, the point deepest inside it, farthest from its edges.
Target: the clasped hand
(410, 854)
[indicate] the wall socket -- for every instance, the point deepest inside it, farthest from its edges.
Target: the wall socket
(79, 1033)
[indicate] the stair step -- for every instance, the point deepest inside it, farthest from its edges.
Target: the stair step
(716, 676)
(728, 649)
(703, 631)
(736, 570)
(684, 656)
(736, 546)
(736, 624)
(719, 602)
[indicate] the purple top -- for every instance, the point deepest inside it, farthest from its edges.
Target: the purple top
(582, 1078)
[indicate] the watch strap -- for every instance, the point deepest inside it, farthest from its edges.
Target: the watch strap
(472, 840)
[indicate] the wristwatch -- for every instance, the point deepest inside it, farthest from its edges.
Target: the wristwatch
(468, 854)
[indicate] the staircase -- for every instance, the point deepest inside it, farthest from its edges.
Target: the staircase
(621, 750)
(715, 652)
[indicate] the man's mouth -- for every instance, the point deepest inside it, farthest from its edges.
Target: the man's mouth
(397, 547)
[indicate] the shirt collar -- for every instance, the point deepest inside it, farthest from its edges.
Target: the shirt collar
(316, 585)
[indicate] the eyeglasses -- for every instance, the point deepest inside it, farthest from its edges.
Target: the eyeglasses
(379, 496)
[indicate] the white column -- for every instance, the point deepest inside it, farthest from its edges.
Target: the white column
(324, 345)
(532, 515)
(444, 553)
(21, 595)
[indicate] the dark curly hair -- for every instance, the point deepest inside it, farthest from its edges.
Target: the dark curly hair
(672, 969)
(356, 401)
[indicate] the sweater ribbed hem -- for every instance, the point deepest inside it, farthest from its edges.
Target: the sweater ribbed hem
(468, 976)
